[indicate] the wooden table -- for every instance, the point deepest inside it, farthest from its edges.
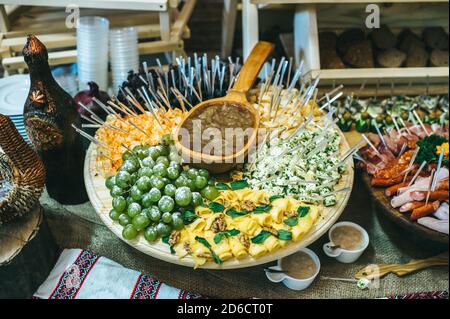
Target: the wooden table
(171, 27)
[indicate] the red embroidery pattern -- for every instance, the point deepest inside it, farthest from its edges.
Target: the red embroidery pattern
(73, 277)
(146, 288)
(183, 294)
(423, 295)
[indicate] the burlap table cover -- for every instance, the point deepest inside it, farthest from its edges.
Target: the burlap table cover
(80, 227)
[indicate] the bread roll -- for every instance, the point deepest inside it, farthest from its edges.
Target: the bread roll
(407, 40)
(348, 38)
(360, 55)
(383, 38)
(439, 58)
(436, 38)
(392, 58)
(329, 59)
(417, 57)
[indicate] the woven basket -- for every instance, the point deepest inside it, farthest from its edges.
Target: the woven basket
(22, 168)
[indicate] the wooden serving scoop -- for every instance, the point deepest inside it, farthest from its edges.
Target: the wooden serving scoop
(237, 96)
(379, 271)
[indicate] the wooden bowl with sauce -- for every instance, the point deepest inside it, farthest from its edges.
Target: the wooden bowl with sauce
(232, 110)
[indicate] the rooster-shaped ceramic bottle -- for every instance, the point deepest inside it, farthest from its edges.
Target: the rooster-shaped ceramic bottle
(48, 114)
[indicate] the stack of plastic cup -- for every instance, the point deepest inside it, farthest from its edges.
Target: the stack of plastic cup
(123, 46)
(92, 50)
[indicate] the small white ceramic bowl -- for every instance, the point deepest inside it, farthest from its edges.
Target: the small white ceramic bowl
(342, 255)
(293, 283)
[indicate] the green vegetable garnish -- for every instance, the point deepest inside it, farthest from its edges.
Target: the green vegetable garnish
(165, 240)
(427, 152)
(284, 235)
(222, 187)
(205, 243)
(262, 209)
(303, 211)
(261, 237)
(228, 233)
(293, 221)
(216, 207)
(275, 197)
(236, 185)
(189, 217)
(234, 213)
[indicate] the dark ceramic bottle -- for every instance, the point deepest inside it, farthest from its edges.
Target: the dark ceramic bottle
(49, 112)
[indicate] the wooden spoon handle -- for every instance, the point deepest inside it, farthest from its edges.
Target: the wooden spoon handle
(252, 66)
(402, 269)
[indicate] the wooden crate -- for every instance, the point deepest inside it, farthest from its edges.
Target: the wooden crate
(312, 16)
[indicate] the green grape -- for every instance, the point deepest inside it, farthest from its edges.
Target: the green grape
(145, 171)
(166, 204)
(201, 182)
(157, 182)
(166, 218)
(163, 229)
(204, 173)
(123, 179)
(134, 209)
(170, 190)
(119, 203)
(140, 222)
(181, 181)
(116, 191)
(160, 170)
(177, 221)
(127, 155)
(124, 220)
(129, 232)
(155, 195)
(130, 166)
(151, 234)
(114, 215)
(173, 172)
(197, 199)
(154, 153)
(136, 193)
(163, 160)
(183, 196)
(144, 184)
(210, 193)
(147, 200)
(148, 162)
(192, 173)
(110, 182)
(154, 214)
(164, 150)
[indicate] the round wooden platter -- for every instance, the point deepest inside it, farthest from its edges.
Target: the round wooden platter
(384, 203)
(101, 201)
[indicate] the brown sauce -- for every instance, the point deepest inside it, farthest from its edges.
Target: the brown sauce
(299, 266)
(220, 130)
(348, 237)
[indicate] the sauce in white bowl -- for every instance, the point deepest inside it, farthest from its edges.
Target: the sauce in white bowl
(298, 271)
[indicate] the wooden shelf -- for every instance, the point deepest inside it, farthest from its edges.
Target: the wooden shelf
(431, 75)
(340, 1)
(147, 5)
(158, 30)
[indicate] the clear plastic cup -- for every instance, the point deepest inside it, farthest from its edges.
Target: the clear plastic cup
(92, 51)
(124, 53)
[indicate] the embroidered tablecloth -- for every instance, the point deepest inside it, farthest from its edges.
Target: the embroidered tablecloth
(81, 274)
